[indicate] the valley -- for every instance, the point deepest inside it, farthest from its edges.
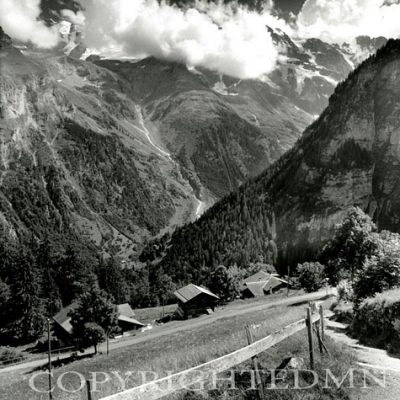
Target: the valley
(191, 187)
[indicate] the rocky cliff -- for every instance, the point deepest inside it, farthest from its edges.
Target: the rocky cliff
(349, 156)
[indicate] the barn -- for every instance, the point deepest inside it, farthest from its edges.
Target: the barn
(261, 284)
(194, 301)
(62, 327)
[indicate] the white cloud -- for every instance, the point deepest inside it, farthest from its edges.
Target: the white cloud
(232, 41)
(343, 20)
(75, 18)
(18, 18)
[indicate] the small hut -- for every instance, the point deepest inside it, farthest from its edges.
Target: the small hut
(262, 284)
(194, 301)
(62, 327)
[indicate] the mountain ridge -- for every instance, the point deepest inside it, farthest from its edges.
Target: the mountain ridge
(183, 137)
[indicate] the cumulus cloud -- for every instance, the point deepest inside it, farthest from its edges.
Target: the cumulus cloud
(231, 40)
(343, 20)
(19, 19)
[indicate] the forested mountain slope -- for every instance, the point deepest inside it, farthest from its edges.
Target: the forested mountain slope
(111, 152)
(349, 156)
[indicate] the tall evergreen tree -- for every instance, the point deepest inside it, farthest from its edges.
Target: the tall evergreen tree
(111, 278)
(25, 314)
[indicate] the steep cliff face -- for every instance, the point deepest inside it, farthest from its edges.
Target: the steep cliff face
(349, 156)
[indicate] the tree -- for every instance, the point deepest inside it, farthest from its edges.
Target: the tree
(253, 268)
(91, 335)
(4, 294)
(353, 243)
(311, 276)
(47, 261)
(162, 288)
(111, 278)
(25, 314)
(94, 317)
(379, 273)
(224, 283)
(74, 275)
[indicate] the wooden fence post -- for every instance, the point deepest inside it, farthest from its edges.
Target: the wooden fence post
(88, 389)
(256, 366)
(321, 350)
(310, 337)
(321, 315)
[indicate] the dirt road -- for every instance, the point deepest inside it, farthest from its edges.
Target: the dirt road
(376, 360)
(233, 309)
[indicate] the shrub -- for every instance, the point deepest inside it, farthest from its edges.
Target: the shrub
(311, 276)
(9, 355)
(376, 320)
(343, 312)
(345, 291)
(378, 274)
(353, 243)
(225, 282)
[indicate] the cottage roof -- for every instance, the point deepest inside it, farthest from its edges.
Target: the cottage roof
(264, 283)
(129, 320)
(256, 288)
(191, 291)
(125, 309)
(62, 318)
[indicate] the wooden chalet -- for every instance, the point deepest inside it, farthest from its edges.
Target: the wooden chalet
(194, 301)
(62, 327)
(262, 284)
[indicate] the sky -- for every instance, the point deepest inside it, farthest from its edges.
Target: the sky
(221, 37)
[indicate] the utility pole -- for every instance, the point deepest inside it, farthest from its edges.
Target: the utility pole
(49, 351)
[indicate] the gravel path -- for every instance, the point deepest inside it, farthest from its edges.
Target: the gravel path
(375, 360)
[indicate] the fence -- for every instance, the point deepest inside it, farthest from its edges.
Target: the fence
(163, 387)
(13, 360)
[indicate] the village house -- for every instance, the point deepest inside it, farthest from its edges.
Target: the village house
(62, 327)
(195, 300)
(261, 284)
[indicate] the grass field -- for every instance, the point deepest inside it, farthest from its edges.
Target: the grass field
(176, 352)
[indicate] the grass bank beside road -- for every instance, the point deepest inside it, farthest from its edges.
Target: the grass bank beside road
(174, 352)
